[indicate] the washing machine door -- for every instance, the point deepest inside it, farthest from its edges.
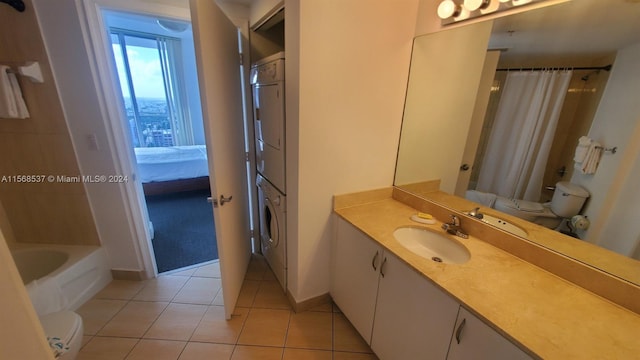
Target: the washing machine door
(269, 226)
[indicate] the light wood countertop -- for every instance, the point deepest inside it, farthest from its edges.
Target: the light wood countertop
(543, 313)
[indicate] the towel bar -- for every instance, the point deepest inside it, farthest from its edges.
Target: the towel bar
(612, 150)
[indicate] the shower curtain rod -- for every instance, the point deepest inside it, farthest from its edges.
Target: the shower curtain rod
(606, 68)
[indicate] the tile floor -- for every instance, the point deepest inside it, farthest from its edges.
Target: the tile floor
(179, 316)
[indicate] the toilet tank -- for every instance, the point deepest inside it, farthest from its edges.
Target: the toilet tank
(568, 199)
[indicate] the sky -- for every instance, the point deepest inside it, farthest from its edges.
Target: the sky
(145, 70)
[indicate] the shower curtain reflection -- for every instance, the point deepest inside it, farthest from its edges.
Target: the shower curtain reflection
(522, 134)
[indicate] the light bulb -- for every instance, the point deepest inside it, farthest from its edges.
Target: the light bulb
(473, 5)
(448, 8)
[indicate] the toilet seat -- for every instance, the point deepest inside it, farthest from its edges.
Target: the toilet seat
(523, 209)
(524, 205)
(67, 326)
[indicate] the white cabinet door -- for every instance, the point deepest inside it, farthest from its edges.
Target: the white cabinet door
(474, 339)
(413, 318)
(354, 277)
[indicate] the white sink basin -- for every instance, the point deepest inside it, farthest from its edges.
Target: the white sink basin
(504, 225)
(432, 245)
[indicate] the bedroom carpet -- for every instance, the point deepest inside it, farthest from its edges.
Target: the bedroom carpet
(184, 229)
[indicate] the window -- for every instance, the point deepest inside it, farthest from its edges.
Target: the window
(149, 68)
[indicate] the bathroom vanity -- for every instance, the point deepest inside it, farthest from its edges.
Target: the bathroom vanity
(495, 305)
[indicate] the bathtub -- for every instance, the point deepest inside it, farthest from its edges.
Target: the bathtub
(61, 277)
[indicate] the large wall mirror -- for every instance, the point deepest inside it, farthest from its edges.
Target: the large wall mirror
(464, 123)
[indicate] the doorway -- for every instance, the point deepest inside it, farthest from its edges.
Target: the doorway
(155, 63)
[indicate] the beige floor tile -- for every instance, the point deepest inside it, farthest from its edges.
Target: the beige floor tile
(96, 313)
(353, 356)
(210, 270)
(256, 353)
(134, 319)
(156, 350)
(346, 337)
(219, 299)
(267, 327)
(121, 290)
(177, 322)
(85, 340)
(310, 330)
(204, 351)
(305, 354)
(198, 290)
(257, 268)
(248, 293)
(162, 288)
(270, 295)
(215, 328)
(328, 307)
(106, 348)
(269, 275)
(187, 272)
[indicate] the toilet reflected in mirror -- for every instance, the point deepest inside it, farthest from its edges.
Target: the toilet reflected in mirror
(567, 202)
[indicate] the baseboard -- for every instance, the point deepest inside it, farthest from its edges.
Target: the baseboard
(133, 275)
(309, 303)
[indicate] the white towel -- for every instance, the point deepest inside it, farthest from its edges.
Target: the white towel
(8, 105)
(591, 160)
(21, 107)
(582, 149)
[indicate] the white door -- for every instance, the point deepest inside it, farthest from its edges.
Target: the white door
(217, 57)
(477, 121)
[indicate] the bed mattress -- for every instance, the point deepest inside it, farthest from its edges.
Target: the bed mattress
(157, 164)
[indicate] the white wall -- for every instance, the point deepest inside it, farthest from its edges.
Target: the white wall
(614, 192)
(350, 64)
(61, 31)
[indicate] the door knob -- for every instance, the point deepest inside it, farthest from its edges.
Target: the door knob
(225, 199)
(464, 167)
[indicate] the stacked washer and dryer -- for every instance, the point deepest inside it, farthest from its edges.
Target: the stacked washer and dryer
(267, 84)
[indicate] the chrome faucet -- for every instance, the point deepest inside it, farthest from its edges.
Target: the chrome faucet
(454, 227)
(476, 213)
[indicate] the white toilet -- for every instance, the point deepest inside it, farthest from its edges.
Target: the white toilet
(67, 326)
(567, 201)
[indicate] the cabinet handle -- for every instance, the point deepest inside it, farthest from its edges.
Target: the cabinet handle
(459, 330)
(384, 261)
(373, 261)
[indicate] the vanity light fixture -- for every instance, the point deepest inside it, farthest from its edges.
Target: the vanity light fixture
(451, 11)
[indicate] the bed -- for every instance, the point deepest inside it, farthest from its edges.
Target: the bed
(172, 169)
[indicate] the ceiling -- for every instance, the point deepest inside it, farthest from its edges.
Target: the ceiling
(575, 27)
